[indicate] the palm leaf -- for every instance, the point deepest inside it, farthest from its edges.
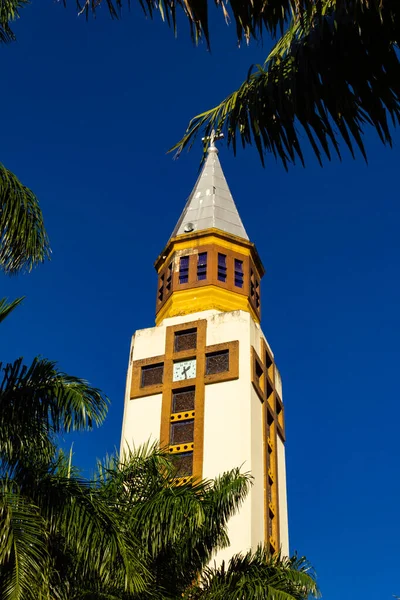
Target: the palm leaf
(23, 239)
(92, 530)
(9, 11)
(257, 576)
(7, 307)
(39, 401)
(331, 74)
(23, 548)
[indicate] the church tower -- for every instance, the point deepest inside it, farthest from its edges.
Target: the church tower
(204, 381)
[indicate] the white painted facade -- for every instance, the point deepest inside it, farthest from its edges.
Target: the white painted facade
(233, 422)
(283, 509)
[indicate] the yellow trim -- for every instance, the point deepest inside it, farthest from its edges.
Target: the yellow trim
(183, 480)
(182, 416)
(180, 448)
(191, 243)
(185, 302)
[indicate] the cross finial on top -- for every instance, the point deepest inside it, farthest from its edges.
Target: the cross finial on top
(212, 138)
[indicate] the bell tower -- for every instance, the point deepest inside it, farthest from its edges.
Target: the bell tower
(204, 381)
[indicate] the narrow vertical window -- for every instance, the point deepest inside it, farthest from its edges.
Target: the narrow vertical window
(183, 463)
(221, 267)
(184, 269)
(254, 289)
(257, 293)
(161, 289)
(169, 277)
(270, 422)
(238, 273)
(202, 266)
(270, 525)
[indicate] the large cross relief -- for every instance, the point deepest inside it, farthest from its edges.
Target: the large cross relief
(265, 382)
(181, 375)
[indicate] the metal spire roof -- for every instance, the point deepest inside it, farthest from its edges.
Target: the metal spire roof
(211, 204)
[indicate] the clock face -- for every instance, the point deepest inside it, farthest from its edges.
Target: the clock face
(184, 369)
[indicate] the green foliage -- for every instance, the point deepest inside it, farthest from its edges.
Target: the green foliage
(37, 402)
(23, 239)
(9, 11)
(178, 527)
(23, 548)
(58, 535)
(7, 307)
(335, 70)
(257, 576)
(56, 529)
(53, 526)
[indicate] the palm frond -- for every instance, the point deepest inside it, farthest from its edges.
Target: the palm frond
(144, 481)
(192, 551)
(332, 73)
(137, 474)
(23, 239)
(7, 307)
(257, 576)
(39, 401)
(23, 548)
(93, 530)
(9, 11)
(226, 493)
(221, 498)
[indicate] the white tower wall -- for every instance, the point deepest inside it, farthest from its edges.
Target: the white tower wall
(233, 422)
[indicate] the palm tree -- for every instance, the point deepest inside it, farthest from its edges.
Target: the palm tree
(178, 529)
(130, 533)
(53, 523)
(45, 513)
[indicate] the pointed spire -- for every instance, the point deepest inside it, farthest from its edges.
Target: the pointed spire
(211, 204)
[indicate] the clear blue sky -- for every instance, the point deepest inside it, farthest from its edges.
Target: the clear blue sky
(89, 110)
